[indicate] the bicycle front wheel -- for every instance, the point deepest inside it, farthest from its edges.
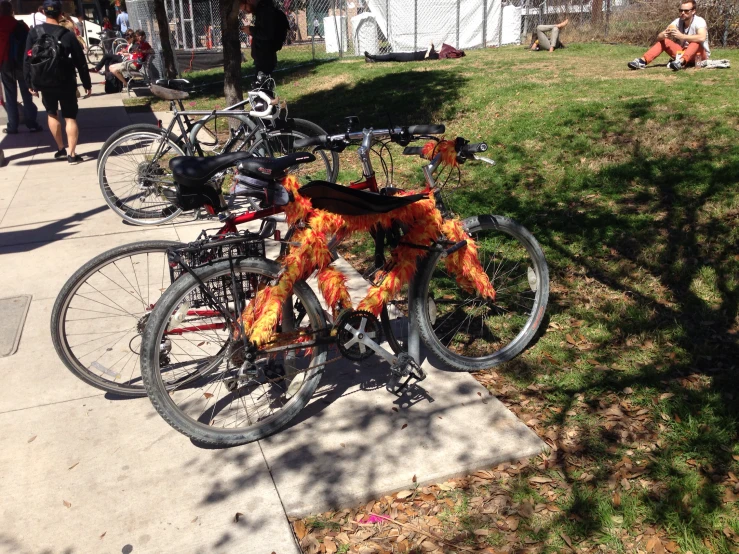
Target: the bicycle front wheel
(229, 395)
(94, 54)
(134, 174)
(469, 332)
(101, 311)
(281, 142)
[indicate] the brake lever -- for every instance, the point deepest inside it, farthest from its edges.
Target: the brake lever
(483, 159)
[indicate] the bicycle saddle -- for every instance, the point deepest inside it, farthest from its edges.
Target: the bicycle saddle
(168, 93)
(194, 171)
(177, 84)
(274, 168)
(348, 201)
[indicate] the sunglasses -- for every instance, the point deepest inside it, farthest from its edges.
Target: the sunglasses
(685, 11)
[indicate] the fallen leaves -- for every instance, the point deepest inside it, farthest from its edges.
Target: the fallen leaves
(66, 504)
(404, 494)
(33, 438)
(238, 516)
(73, 465)
(300, 529)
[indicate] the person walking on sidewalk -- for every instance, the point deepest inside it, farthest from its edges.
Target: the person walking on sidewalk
(13, 35)
(52, 54)
(684, 39)
(316, 28)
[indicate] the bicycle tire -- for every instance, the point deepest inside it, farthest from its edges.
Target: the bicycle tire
(439, 325)
(200, 128)
(280, 142)
(60, 314)
(155, 180)
(94, 54)
(311, 129)
(165, 401)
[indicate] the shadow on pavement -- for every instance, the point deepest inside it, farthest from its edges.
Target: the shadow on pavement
(12, 242)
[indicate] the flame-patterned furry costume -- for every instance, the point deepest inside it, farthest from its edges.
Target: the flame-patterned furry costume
(310, 252)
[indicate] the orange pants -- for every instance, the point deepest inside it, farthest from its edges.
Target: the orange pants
(672, 48)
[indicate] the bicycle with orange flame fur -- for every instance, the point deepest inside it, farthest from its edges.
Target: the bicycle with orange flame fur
(247, 340)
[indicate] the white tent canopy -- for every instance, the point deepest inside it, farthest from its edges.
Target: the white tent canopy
(436, 21)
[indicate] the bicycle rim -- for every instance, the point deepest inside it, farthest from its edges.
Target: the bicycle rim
(101, 312)
(470, 332)
(280, 143)
(222, 398)
(135, 178)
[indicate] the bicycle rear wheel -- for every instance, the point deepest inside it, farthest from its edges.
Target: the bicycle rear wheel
(134, 174)
(281, 142)
(100, 313)
(469, 332)
(94, 54)
(229, 396)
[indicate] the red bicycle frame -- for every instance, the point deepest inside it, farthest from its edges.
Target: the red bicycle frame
(230, 226)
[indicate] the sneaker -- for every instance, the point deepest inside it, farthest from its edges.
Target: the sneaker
(367, 58)
(638, 63)
(676, 65)
(61, 154)
(74, 160)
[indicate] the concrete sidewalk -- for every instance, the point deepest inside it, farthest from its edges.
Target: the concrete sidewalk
(85, 472)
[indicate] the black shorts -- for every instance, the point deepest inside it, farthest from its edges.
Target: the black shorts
(64, 98)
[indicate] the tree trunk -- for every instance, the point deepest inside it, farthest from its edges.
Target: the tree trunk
(231, 52)
(170, 68)
(597, 12)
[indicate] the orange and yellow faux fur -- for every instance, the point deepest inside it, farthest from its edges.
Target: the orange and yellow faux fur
(309, 252)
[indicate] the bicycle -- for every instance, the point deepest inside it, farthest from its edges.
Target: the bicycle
(90, 314)
(234, 349)
(107, 43)
(133, 169)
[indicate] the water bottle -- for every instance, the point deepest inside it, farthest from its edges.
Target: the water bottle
(698, 60)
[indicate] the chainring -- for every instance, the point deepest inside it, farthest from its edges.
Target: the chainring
(357, 320)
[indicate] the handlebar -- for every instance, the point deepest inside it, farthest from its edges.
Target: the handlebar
(473, 148)
(402, 135)
(427, 129)
(465, 150)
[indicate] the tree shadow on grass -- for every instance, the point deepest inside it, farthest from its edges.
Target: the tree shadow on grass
(642, 254)
(408, 97)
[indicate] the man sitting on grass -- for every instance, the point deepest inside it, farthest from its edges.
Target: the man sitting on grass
(688, 35)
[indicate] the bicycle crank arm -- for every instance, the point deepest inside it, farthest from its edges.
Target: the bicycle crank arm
(360, 337)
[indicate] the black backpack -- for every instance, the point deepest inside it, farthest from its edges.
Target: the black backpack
(112, 83)
(282, 26)
(47, 55)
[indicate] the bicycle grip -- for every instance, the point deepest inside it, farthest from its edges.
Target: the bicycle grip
(474, 148)
(427, 129)
(319, 140)
(413, 151)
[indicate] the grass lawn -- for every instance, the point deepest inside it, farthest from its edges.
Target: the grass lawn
(629, 182)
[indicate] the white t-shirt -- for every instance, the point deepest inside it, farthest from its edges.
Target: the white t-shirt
(697, 23)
